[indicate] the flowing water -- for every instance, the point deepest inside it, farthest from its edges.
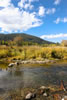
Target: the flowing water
(30, 76)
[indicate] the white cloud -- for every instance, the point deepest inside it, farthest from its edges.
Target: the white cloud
(13, 19)
(17, 20)
(57, 2)
(21, 3)
(5, 3)
(64, 20)
(41, 11)
(32, 0)
(51, 11)
(53, 36)
(26, 4)
(58, 20)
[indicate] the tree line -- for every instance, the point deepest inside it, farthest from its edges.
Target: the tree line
(19, 41)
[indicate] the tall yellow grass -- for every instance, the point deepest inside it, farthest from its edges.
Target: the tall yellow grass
(33, 52)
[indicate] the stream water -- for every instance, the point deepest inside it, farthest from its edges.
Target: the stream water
(30, 76)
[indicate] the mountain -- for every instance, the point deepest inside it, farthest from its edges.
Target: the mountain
(26, 37)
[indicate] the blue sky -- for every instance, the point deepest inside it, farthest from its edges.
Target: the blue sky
(46, 19)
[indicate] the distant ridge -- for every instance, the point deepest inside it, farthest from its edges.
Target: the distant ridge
(26, 37)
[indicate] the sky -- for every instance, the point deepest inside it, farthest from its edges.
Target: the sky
(46, 19)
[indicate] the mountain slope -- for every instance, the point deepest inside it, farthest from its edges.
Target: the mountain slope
(26, 37)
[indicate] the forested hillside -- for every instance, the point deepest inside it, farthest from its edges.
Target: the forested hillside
(25, 37)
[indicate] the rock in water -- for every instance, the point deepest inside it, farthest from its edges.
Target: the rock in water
(64, 98)
(42, 87)
(62, 87)
(33, 95)
(17, 63)
(45, 94)
(28, 96)
(11, 65)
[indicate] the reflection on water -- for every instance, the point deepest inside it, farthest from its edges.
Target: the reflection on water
(18, 72)
(17, 76)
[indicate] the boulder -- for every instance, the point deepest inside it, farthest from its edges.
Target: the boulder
(33, 95)
(28, 96)
(64, 98)
(42, 87)
(45, 94)
(17, 63)
(43, 90)
(11, 64)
